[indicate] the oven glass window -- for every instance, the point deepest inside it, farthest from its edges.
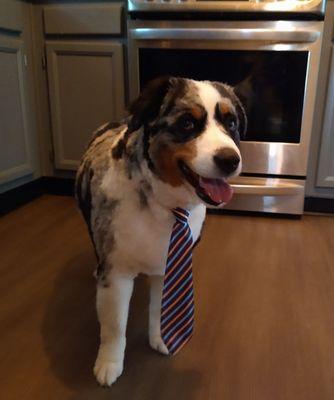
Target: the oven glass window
(270, 83)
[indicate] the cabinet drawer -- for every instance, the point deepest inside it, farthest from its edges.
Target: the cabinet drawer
(11, 15)
(88, 19)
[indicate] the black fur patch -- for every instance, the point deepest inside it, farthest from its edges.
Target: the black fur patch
(118, 150)
(147, 188)
(132, 161)
(84, 198)
(178, 91)
(103, 236)
(221, 88)
(147, 106)
(242, 118)
(142, 198)
(146, 146)
(144, 192)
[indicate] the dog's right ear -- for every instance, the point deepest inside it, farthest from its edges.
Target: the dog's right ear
(147, 106)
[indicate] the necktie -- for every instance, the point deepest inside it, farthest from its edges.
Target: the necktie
(177, 305)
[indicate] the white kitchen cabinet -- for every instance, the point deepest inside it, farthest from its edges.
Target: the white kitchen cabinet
(320, 174)
(15, 140)
(325, 175)
(86, 89)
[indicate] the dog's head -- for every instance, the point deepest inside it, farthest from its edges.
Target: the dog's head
(192, 131)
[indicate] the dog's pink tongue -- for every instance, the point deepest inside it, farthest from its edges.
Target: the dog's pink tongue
(217, 189)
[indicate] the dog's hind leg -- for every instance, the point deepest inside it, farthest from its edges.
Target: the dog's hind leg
(155, 310)
(112, 308)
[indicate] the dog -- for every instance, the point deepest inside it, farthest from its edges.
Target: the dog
(177, 148)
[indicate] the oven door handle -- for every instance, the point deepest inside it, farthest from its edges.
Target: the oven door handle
(299, 35)
(286, 189)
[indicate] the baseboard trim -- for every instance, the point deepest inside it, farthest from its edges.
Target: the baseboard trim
(319, 204)
(22, 195)
(58, 186)
(19, 196)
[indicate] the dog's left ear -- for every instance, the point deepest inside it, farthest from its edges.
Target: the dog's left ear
(241, 115)
(243, 93)
(147, 106)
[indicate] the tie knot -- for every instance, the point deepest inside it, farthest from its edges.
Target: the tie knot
(181, 214)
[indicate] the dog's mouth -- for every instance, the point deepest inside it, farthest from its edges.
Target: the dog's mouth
(211, 190)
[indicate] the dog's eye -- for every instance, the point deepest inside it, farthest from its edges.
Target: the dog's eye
(187, 123)
(231, 123)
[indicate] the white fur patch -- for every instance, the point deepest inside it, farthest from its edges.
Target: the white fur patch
(214, 138)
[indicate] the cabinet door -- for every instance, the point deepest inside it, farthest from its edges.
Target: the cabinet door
(86, 89)
(325, 176)
(15, 155)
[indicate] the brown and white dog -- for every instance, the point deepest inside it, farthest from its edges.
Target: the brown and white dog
(177, 148)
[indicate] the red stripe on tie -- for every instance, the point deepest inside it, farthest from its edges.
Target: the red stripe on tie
(190, 285)
(177, 243)
(175, 283)
(175, 318)
(187, 250)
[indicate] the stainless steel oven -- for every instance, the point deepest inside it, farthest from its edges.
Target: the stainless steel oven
(273, 63)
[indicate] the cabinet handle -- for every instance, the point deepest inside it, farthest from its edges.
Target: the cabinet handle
(187, 33)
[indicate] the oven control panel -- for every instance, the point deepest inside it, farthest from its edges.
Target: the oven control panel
(296, 6)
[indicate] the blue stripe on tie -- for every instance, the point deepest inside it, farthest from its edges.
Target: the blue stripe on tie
(170, 291)
(166, 319)
(189, 330)
(185, 234)
(188, 314)
(178, 290)
(179, 261)
(177, 235)
(179, 272)
(179, 251)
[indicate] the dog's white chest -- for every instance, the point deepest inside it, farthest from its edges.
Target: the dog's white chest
(142, 238)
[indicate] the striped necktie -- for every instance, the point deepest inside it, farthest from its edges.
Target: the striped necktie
(177, 306)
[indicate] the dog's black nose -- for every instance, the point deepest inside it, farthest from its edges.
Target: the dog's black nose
(227, 160)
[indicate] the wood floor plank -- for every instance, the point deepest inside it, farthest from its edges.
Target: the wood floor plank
(264, 291)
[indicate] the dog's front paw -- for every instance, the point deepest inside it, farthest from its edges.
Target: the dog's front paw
(106, 371)
(157, 344)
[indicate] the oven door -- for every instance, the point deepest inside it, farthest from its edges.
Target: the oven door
(274, 65)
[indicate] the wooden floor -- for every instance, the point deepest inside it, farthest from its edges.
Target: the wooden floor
(264, 312)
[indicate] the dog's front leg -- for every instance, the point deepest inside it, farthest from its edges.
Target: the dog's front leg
(155, 311)
(112, 308)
